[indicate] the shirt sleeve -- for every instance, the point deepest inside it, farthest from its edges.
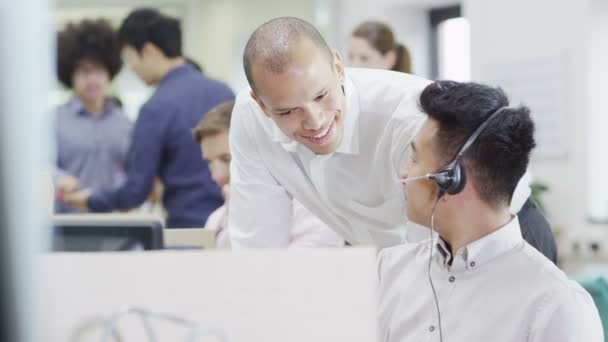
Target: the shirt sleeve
(57, 171)
(408, 121)
(385, 310)
(260, 208)
(309, 231)
(143, 163)
(567, 317)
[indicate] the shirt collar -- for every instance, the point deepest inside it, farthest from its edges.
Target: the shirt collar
(76, 107)
(482, 251)
(175, 72)
(350, 135)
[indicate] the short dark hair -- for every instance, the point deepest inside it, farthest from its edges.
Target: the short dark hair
(271, 43)
(214, 122)
(92, 40)
(146, 25)
(500, 155)
(381, 37)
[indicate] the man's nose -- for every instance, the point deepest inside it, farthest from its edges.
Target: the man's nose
(313, 117)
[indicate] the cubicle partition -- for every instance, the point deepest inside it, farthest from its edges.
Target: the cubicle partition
(243, 296)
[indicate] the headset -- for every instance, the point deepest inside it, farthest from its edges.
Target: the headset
(451, 179)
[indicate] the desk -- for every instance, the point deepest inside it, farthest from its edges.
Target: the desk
(320, 295)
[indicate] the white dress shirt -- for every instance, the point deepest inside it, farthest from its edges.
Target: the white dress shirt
(498, 288)
(307, 230)
(354, 190)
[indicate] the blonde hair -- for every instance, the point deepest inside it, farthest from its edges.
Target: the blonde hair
(215, 121)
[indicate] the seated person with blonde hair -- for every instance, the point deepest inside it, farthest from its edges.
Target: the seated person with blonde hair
(211, 133)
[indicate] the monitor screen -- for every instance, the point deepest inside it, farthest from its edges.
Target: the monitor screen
(89, 233)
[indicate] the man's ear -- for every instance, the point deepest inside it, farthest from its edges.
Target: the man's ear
(339, 66)
(259, 102)
(149, 49)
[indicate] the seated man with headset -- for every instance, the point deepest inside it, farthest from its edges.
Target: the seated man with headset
(479, 280)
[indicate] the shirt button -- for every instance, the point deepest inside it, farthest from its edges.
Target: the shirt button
(472, 264)
(452, 279)
(432, 328)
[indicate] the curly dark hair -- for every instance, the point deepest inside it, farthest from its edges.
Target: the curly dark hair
(93, 40)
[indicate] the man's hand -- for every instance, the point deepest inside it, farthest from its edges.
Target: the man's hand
(67, 184)
(78, 199)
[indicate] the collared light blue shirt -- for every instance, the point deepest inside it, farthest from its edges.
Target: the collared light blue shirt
(91, 148)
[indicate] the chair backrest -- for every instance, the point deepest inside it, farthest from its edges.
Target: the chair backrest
(598, 288)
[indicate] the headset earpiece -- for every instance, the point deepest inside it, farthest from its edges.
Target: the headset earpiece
(459, 180)
(450, 179)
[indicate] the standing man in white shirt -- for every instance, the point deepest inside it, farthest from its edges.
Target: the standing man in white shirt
(333, 139)
(211, 133)
(479, 280)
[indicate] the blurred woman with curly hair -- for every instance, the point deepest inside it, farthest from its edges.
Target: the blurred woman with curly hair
(92, 132)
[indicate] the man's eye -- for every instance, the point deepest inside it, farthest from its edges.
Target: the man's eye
(321, 96)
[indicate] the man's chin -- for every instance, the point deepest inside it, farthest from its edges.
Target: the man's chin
(323, 149)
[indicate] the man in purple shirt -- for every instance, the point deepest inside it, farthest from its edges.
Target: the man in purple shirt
(162, 143)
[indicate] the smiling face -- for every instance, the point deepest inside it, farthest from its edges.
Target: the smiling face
(306, 100)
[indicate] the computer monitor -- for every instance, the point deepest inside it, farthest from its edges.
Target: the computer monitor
(106, 232)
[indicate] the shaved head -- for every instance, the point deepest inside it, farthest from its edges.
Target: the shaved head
(271, 44)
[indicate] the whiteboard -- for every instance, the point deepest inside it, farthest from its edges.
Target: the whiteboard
(540, 83)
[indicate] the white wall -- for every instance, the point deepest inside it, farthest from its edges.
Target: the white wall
(598, 118)
(216, 31)
(520, 33)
